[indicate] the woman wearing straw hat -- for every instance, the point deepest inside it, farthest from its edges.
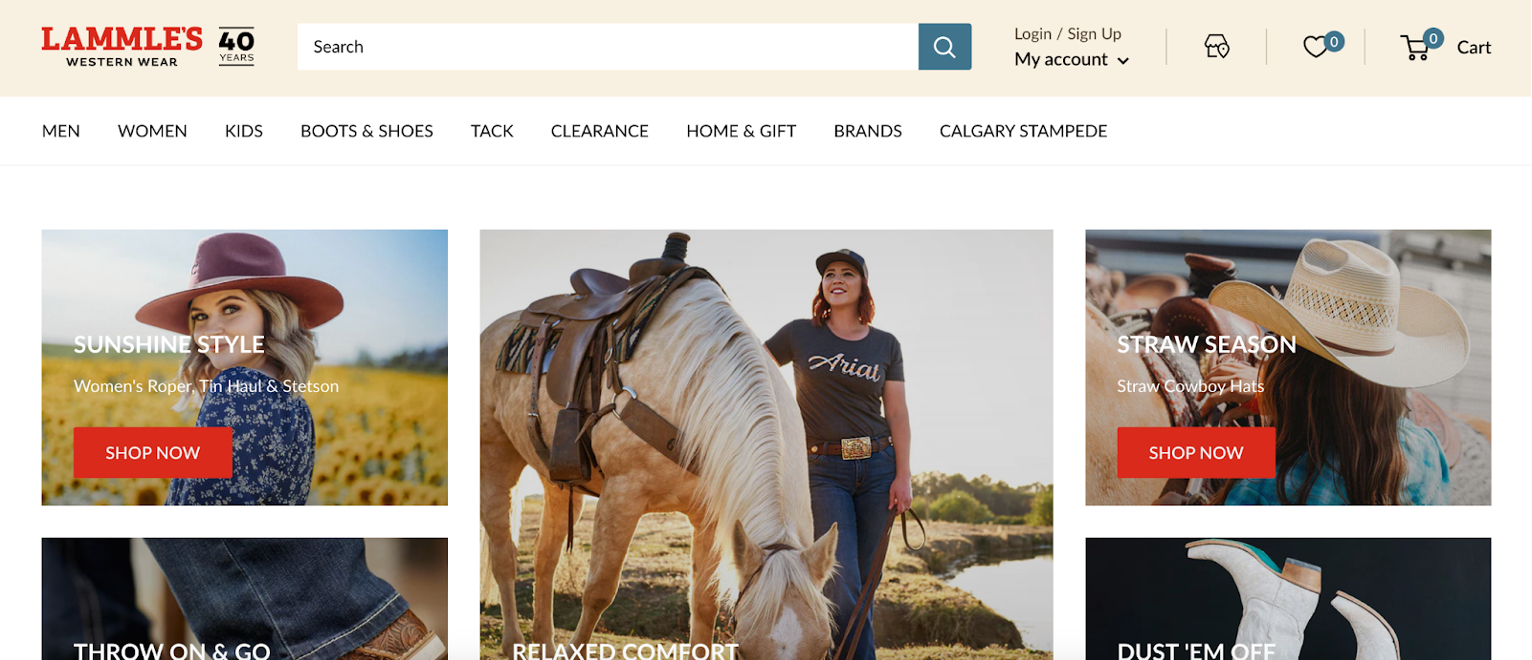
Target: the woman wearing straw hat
(850, 389)
(1339, 402)
(251, 343)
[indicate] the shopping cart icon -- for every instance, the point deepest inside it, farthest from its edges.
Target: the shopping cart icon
(1416, 46)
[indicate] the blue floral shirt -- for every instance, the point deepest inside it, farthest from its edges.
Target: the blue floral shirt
(273, 443)
(1427, 480)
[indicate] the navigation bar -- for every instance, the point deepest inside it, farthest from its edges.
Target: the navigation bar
(905, 131)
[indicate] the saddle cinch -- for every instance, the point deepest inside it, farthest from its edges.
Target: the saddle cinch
(577, 340)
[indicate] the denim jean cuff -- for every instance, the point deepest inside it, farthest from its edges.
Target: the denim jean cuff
(359, 634)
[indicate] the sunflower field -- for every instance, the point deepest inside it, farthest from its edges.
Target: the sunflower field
(381, 438)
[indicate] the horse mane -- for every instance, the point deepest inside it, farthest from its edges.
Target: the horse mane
(741, 427)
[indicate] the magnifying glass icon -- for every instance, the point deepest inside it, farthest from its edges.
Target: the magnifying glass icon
(943, 46)
(937, 45)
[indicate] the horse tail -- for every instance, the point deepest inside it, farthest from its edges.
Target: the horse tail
(489, 591)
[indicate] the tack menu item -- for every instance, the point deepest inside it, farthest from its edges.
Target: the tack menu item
(254, 380)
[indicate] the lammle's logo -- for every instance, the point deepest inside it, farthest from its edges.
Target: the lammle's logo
(125, 38)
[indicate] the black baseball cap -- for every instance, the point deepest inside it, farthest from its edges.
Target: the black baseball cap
(847, 256)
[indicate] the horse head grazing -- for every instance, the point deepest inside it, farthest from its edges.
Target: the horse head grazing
(741, 425)
(787, 614)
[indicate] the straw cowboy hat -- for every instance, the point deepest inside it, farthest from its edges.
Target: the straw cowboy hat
(242, 261)
(1346, 304)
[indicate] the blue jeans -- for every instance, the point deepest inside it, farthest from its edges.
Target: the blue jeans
(854, 496)
(306, 599)
(88, 596)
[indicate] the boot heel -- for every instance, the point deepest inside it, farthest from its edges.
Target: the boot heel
(1300, 573)
(1303, 574)
(432, 649)
(1375, 639)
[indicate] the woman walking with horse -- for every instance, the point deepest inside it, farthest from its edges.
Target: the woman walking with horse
(850, 388)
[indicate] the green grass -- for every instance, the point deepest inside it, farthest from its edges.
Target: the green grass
(489, 645)
(917, 615)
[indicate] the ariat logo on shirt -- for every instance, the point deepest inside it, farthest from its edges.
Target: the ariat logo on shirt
(850, 367)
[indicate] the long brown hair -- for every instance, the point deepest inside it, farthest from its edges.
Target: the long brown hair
(288, 345)
(864, 305)
(1323, 412)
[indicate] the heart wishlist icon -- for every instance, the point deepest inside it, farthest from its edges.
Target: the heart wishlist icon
(1314, 45)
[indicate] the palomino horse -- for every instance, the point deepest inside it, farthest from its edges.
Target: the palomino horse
(700, 367)
(1105, 367)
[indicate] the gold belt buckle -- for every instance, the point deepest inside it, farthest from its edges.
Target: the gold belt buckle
(855, 449)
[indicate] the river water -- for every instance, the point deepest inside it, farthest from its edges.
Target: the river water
(1018, 587)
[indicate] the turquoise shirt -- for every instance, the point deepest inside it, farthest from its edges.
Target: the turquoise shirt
(1426, 481)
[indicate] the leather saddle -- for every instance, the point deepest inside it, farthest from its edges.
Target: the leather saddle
(1188, 316)
(577, 340)
(1192, 316)
(576, 318)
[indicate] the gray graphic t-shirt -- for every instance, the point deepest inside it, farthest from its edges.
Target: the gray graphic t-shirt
(839, 382)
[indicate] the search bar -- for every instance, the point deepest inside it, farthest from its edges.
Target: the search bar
(634, 47)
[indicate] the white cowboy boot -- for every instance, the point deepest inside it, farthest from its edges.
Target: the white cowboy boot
(1278, 603)
(1375, 639)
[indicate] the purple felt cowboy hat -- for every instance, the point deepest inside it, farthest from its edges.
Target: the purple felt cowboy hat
(242, 261)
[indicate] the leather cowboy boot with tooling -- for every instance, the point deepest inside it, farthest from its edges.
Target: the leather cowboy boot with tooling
(1375, 639)
(404, 639)
(1277, 603)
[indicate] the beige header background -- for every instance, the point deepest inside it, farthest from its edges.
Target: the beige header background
(1162, 41)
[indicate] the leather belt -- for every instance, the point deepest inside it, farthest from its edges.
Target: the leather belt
(852, 449)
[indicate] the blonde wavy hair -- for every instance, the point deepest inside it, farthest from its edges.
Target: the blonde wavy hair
(288, 345)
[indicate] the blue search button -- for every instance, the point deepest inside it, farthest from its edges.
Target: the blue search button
(946, 46)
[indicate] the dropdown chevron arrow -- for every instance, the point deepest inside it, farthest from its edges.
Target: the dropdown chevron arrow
(1123, 60)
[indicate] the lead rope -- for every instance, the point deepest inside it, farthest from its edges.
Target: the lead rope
(849, 638)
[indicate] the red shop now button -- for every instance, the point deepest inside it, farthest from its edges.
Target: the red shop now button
(1204, 453)
(153, 452)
